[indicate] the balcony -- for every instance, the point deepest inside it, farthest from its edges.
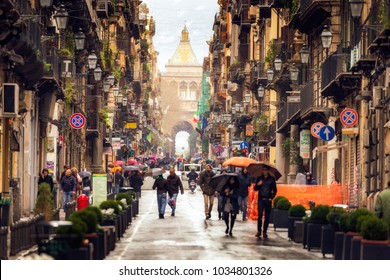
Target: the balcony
(287, 114)
(237, 73)
(337, 81)
(312, 14)
(243, 12)
(257, 76)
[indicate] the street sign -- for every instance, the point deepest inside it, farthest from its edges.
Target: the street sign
(349, 117)
(249, 130)
(244, 145)
(315, 129)
(326, 133)
(77, 121)
(304, 143)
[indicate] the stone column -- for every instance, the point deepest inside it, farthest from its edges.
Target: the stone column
(97, 164)
(294, 152)
(280, 159)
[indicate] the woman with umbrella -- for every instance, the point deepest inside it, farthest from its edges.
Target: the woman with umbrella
(229, 194)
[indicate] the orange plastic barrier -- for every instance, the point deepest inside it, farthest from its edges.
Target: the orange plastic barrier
(302, 194)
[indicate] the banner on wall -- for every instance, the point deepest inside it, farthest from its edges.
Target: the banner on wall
(99, 183)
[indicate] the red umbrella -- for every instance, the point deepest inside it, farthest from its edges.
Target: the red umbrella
(132, 161)
(119, 163)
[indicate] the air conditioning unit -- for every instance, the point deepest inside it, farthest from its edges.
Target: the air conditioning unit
(9, 100)
(102, 8)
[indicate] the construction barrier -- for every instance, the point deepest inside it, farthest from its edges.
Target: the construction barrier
(302, 194)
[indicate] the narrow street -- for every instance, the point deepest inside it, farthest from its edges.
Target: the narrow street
(188, 236)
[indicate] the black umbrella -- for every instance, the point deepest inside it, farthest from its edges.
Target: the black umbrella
(218, 181)
(83, 174)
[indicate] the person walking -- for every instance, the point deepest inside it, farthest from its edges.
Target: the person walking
(45, 178)
(192, 176)
(266, 188)
(219, 198)
(229, 194)
(118, 181)
(136, 183)
(109, 181)
(208, 191)
(66, 167)
(161, 185)
(79, 180)
(68, 188)
(382, 205)
(174, 184)
(87, 186)
(245, 183)
(310, 180)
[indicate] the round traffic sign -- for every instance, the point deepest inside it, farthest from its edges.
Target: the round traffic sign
(326, 133)
(315, 129)
(77, 121)
(349, 117)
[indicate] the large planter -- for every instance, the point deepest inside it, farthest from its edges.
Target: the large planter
(327, 240)
(97, 240)
(280, 218)
(5, 215)
(338, 245)
(347, 245)
(271, 216)
(304, 241)
(130, 214)
(291, 227)
(314, 232)
(81, 253)
(375, 250)
(355, 247)
(298, 231)
(135, 208)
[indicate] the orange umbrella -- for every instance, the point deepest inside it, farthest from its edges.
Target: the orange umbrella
(256, 169)
(238, 162)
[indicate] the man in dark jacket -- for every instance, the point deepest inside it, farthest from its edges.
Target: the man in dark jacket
(45, 178)
(68, 187)
(266, 187)
(118, 181)
(161, 185)
(136, 183)
(245, 182)
(208, 191)
(174, 183)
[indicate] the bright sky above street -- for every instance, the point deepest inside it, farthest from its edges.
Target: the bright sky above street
(170, 17)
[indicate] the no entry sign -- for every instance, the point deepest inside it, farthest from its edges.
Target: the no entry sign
(77, 121)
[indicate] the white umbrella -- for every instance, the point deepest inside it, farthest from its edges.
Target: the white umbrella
(154, 172)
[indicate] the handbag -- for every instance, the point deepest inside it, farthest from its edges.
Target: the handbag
(171, 202)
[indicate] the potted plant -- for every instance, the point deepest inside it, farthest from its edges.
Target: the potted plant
(339, 236)
(295, 213)
(127, 200)
(111, 211)
(274, 202)
(329, 231)
(352, 230)
(44, 204)
(5, 211)
(314, 227)
(281, 213)
(375, 243)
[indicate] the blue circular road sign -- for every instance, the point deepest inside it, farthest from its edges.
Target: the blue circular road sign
(326, 133)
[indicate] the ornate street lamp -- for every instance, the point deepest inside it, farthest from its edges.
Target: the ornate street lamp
(79, 40)
(46, 3)
(278, 64)
(294, 73)
(326, 37)
(237, 108)
(247, 98)
(356, 8)
(119, 98)
(97, 74)
(233, 110)
(260, 91)
(61, 17)
(92, 60)
(304, 54)
(106, 86)
(111, 80)
(124, 101)
(270, 74)
(116, 93)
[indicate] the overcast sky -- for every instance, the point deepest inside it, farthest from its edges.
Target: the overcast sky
(170, 17)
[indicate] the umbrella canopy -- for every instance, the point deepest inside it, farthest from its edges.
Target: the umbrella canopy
(131, 168)
(83, 174)
(256, 169)
(238, 162)
(119, 163)
(154, 172)
(218, 181)
(132, 161)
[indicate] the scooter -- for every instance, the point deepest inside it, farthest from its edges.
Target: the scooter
(192, 184)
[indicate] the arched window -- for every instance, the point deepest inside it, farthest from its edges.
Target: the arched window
(193, 90)
(183, 90)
